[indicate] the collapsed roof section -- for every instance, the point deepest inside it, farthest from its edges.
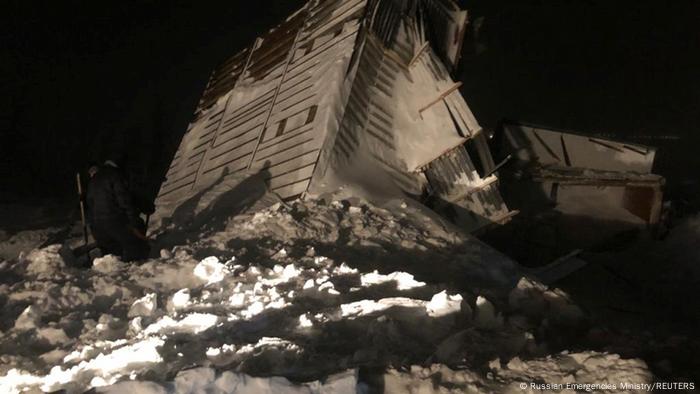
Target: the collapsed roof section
(584, 175)
(340, 90)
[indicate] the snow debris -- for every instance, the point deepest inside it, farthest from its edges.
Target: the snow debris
(134, 387)
(310, 251)
(534, 300)
(290, 272)
(16, 380)
(442, 304)
(589, 371)
(281, 254)
(29, 319)
(328, 287)
(320, 309)
(165, 254)
(367, 307)
(54, 336)
(45, 263)
(205, 380)
(485, 314)
(102, 370)
(309, 284)
(136, 325)
(23, 242)
(211, 270)
(345, 270)
(193, 323)
(305, 321)
(144, 306)
(179, 300)
(562, 373)
(218, 351)
(404, 280)
(107, 264)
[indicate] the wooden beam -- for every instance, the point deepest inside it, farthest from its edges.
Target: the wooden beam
(418, 54)
(440, 98)
(389, 53)
(502, 219)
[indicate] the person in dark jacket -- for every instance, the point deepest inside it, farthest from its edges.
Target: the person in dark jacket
(115, 222)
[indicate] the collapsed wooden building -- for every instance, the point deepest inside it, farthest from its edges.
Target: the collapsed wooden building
(343, 85)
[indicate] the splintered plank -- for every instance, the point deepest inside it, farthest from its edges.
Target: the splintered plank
(440, 97)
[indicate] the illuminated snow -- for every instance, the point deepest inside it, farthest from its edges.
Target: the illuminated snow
(443, 304)
(211, 270)
(404, 281)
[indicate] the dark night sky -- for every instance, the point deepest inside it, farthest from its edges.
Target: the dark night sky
(84, 80)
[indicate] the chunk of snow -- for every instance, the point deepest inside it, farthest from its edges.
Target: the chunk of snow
(290, 272)
(55, 336)
(282, 253)
(107, 264)
(404, 280)
(28, 319)
(366, 307)
(253, 310)
(344, 269)
(194, 380)
(181, 299)
(218, 351)
(211, 270)
(45, 263)
(309, 284)
(535, 300)
(134, 387)
(144, 306)
(192, 324)
(328, 287)
(135, 325)
(16, 380)
(486, 316)
(108, 368)
(276, 342)
(305, 322)
(442, 304)
(237, 300)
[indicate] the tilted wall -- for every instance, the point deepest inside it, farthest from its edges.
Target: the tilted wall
(270, 107)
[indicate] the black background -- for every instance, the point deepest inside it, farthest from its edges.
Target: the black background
(88, 80)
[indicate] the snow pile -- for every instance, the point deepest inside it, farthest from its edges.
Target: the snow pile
(396, 236)
(310, 292)
(561, 373)
(534, 300)
(205, 380)
(44, 264)
(11, 246)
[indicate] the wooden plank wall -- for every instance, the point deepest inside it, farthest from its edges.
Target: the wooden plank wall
(270, 119)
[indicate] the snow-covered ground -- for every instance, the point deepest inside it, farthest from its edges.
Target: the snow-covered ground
(318, 296)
